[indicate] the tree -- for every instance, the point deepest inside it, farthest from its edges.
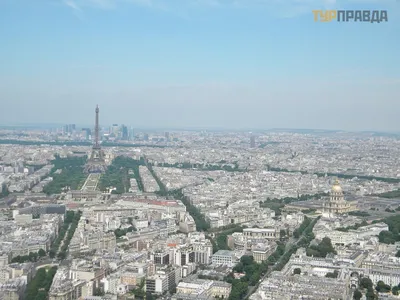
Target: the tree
(297, 271)
(246, 260)
(322, 249)
(98, 292)
(42, 253)
(39, 286)
(357, 295)
(371, 294)
(381, 287)
(61, 255)
(398, 254)
(366, 283)
(333, 274)
(42, 295)
(395, 290)
(33, 256)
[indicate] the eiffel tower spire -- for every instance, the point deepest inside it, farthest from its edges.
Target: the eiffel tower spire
(96, 162)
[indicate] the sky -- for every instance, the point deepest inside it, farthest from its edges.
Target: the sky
(235, 64)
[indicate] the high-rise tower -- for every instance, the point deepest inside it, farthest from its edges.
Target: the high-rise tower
(96, 163)
(252, 141)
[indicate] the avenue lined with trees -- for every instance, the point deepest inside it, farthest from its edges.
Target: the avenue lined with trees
(253, 272)
(70, 217)
(62, 254)
(38, 288)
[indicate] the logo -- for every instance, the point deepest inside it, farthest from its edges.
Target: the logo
(370, 16)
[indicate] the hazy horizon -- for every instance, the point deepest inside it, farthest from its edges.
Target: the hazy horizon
(28, 126)
(199, 64)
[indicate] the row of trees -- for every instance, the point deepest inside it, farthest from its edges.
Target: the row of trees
(163, 189)
(277, 204)
(222, 165)
(32, 257)
(69, 217)
(338, 175)
(222, 237)
(274, 169)
(285, 258)
(277, 254)
(367, 286)
(279, 257)
(359, 213)
(71, 175)
(74, 224)
(117, 174)
(307, 235)
(253, 272)
(305, 239)
(303, 226)
(38, 288)
(363, 177)
(353, 227)
(391, 194)
(223, 228)
(199, 219)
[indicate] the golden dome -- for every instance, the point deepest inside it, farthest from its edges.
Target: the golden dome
(336, 187)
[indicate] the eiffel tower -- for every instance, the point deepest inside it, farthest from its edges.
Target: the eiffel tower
(96, 162)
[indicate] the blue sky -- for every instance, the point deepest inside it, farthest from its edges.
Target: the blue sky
(199, 63)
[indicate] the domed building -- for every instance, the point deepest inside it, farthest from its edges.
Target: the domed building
(336, 204)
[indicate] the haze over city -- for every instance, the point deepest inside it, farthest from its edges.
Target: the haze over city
(225, 64)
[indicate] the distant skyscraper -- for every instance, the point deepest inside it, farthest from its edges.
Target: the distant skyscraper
(87, 133)
(131, 134)
(114, 130)
(167, 136)
(124, 130)
(70, 128)
(146, 137)
(252, 141)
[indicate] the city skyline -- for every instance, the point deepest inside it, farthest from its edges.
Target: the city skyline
(205, 64)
